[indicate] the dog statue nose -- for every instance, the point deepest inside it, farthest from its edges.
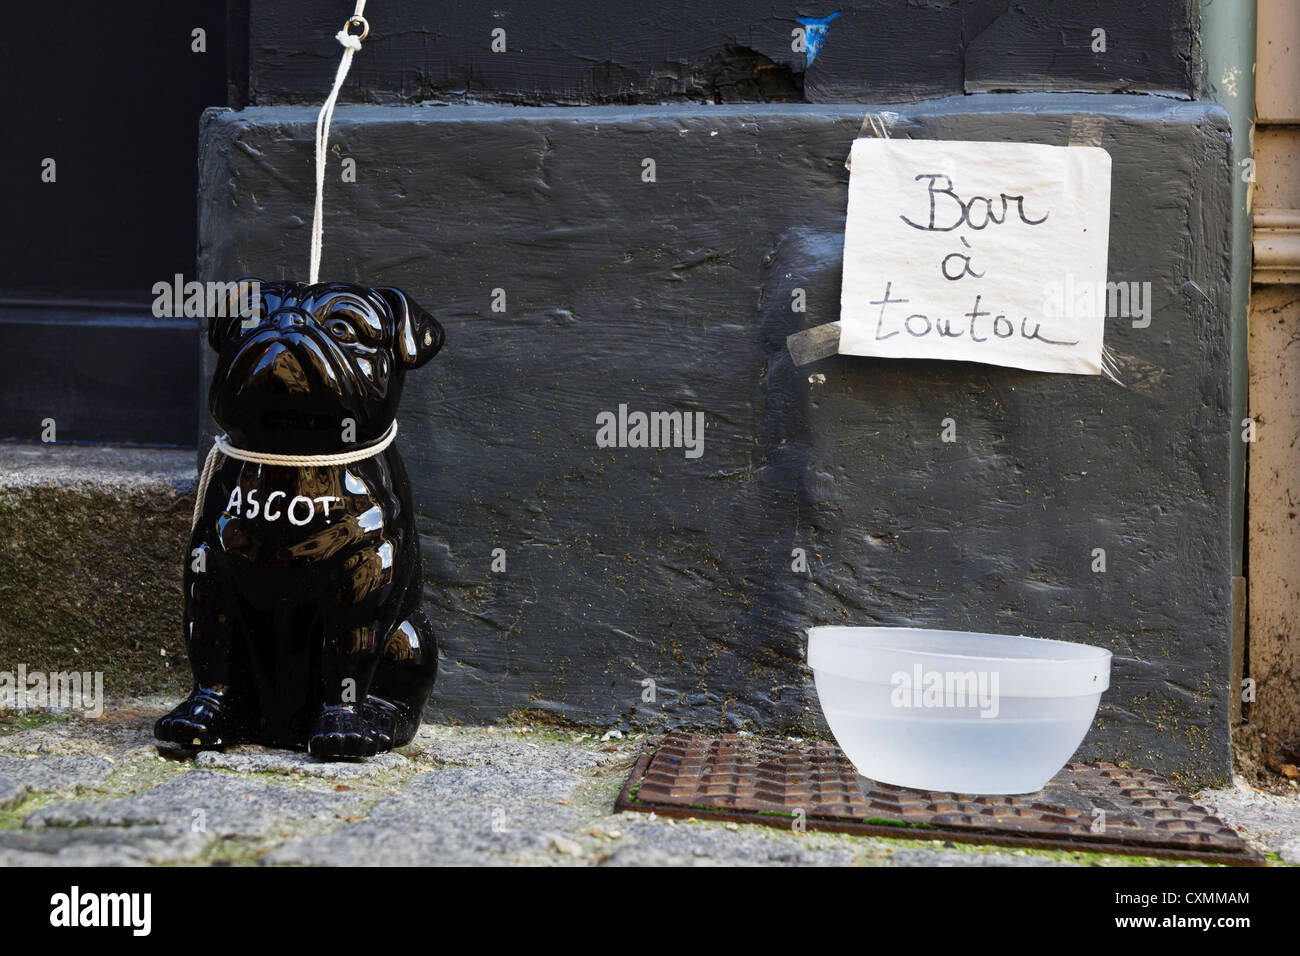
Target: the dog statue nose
(288, 319)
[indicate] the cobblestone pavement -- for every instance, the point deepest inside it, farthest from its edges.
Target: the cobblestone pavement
(101, 792)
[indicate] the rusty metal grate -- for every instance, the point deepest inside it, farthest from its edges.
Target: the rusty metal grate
(1097, 807)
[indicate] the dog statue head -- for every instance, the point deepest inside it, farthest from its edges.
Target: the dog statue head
(310, 369)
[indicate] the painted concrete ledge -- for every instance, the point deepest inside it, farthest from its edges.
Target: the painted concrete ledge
(645, 588)
(91, 559)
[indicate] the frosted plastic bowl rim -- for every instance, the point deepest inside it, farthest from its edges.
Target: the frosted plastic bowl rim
(866, 654)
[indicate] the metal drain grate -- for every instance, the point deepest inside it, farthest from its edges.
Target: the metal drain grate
(1097, 807)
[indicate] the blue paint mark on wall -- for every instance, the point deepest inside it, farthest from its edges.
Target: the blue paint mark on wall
(814, 34)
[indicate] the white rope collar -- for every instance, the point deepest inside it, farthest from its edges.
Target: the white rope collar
(222, 442)
(221, 446)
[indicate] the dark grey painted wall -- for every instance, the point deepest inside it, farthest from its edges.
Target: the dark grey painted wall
(726, 51)
(628, 564)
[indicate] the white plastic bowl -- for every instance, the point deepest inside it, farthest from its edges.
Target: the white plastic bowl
(954, 711)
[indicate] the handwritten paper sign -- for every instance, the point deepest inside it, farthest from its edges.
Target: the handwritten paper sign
(980, 252)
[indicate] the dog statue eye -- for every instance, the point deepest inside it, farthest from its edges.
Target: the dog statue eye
(340, 330)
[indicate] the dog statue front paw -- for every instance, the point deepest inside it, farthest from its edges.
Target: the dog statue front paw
(200, 721)
(344, 731)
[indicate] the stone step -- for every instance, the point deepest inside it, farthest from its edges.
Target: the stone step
(91, 556)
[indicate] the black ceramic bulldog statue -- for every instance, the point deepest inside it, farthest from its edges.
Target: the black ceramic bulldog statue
(302, 593)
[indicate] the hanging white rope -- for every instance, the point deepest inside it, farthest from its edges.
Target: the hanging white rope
(351, 44)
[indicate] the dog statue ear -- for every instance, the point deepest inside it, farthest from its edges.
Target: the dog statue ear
(417, 336)
(247, 299)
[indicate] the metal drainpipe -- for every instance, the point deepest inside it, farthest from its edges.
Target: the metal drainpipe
(1228, 78)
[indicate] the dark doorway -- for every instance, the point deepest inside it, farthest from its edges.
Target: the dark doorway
(112, 94)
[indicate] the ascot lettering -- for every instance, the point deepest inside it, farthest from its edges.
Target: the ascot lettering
(299, 511)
